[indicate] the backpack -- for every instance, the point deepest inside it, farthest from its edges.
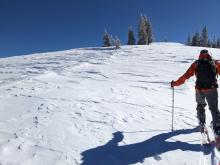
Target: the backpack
(206, 74)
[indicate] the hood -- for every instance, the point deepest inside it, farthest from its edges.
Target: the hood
(205, 55)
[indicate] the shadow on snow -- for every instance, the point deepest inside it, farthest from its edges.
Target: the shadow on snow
(113, 154)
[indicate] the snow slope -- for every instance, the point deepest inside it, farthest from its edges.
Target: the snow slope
(99, 106)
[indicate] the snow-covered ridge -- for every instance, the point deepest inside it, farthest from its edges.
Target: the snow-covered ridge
(167, 43)
(99, 106)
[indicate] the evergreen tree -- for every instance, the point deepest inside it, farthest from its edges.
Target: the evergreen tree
(209, 44)
(145, 34)
(189, 42)
(117, 42)
(131, 38)
(214, 43)
(204, 37)
(112, 40)
(149, 30)
(196, 40)
(142, 31)
(218, 43)
(106, 39)
(203, 40)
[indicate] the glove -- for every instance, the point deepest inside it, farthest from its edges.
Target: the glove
(172, 83)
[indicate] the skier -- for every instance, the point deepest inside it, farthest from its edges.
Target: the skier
(205, 69)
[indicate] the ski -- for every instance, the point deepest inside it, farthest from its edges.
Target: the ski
(216, 138)
(216, 146)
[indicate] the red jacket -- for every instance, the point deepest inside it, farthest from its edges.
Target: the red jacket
(192, 69)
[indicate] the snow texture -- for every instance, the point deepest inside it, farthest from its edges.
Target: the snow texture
(101, 106)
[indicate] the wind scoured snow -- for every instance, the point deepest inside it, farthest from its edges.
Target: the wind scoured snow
(100, 106)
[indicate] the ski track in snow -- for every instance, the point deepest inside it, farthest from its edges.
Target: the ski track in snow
(100, 106)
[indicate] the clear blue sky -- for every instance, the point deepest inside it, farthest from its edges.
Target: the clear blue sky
(29, 26)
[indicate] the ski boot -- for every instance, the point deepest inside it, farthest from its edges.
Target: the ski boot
(205, 135)
(202, 128)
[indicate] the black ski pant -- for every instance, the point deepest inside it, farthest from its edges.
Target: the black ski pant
(211, 97)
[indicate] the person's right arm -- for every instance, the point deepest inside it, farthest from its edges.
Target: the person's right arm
(189, 73)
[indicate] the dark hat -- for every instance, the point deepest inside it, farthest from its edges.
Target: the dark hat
(204, 51)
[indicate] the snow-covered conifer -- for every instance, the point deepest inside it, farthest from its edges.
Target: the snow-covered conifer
(149, 30)
(131, 38)
(142, 31)
(218, 43)
(196, 40)
(117, 42)
(106, 39)
(214, 42)
(204, 37)
(189, 41)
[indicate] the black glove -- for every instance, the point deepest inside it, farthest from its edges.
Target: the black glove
(171, 83)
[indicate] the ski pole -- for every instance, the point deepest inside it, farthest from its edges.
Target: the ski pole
(172, 107)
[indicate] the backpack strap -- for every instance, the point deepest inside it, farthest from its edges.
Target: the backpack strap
(196, 65)
(216, 71)
(212, 61)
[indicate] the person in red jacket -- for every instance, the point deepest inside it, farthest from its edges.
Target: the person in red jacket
(206, 70)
